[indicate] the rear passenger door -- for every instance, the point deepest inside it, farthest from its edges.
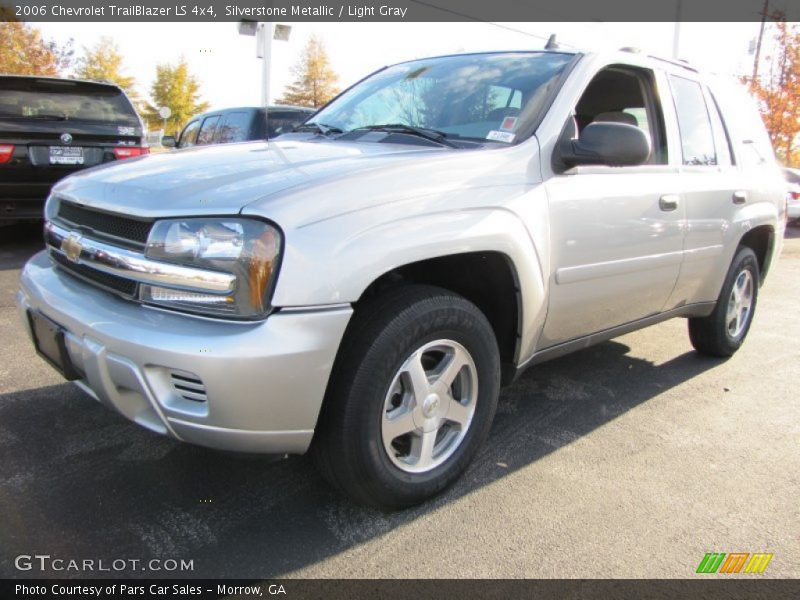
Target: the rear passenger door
(711, 187)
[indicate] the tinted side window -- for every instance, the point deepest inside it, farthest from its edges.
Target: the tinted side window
(749, 139)
(189, 135)
(697, 138)
(206, 135)
(623, 94)
(284, 121)
(235, 127)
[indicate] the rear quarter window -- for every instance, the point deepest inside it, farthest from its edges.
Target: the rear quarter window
(280, 122)
(749, 139)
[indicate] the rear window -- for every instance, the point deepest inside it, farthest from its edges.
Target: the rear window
(67, 100)
(279, 122)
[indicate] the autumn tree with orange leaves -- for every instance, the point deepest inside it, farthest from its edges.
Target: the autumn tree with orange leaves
(777, 89)
(23, 51)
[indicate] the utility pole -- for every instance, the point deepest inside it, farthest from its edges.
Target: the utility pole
(676, 32)
(758, 44)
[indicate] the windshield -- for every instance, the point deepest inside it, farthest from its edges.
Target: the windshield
(476, 97)
(90, 103)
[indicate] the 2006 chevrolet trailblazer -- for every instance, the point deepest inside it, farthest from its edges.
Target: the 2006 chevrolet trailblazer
(362, 287)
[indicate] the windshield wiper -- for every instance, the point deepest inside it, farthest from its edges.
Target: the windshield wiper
(432, 135)
(318, 127)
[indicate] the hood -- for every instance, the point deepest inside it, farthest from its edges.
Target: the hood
(223, 179)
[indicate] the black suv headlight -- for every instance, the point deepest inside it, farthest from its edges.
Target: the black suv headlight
(247, 248)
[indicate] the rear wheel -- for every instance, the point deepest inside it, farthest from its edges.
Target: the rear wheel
(724, 330)
(411, 398)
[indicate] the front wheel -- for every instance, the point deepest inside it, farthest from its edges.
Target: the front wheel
(411, 399)
(724, 330)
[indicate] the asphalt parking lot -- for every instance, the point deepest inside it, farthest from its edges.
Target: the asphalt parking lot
(630, 459)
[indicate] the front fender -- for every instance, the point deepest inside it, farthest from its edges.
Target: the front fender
(324, 266)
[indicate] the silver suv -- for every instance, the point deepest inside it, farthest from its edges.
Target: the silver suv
(361, 288)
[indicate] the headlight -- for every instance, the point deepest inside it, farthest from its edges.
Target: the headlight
(246, 248)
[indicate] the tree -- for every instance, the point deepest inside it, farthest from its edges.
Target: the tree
(777, 90)
(23, 51)
(176, 88)
(103, 62)
(315, 79)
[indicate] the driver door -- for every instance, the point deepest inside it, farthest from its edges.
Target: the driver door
(616, 232)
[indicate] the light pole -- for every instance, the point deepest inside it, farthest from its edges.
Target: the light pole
(264, 45)
(264, 33)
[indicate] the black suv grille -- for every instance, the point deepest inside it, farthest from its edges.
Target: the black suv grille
(125, 229)
(113, 283)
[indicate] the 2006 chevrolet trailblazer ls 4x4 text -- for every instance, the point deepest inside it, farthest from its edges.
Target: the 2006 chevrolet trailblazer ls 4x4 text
(361, 288)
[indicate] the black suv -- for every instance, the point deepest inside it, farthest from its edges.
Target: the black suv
(50, 128)
(239, 125)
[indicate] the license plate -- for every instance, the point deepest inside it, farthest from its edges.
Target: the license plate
(48, 339)
(66, 155)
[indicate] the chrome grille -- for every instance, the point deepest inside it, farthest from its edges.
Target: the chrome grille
(113, 283)
(104, 225)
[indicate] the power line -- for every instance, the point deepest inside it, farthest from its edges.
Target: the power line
(477, 20)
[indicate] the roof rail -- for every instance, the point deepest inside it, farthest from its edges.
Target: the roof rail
(679, 62)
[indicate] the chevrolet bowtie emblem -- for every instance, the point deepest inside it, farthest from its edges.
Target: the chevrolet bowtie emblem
(71, 246)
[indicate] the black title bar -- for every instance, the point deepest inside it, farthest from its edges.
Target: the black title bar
(413, 589)
(397, 10)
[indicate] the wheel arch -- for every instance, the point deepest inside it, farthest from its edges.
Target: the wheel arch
(488, 279)
(761, 240)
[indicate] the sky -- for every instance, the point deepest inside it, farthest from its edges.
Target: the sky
(230, 73)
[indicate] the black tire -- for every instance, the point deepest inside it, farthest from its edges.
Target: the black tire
(348, 447)
(710, 335)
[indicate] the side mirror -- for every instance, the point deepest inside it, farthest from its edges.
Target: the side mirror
(612, 144)
(169, 141)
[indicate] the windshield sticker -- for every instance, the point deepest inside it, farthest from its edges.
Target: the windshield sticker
(500, 136)
(509, 124)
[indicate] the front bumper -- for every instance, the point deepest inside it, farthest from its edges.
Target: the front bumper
(262, 382)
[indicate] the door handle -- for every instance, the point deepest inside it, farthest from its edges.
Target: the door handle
(668, 202)
(739, 197)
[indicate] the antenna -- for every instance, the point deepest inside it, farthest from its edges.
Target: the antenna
(552, 44)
